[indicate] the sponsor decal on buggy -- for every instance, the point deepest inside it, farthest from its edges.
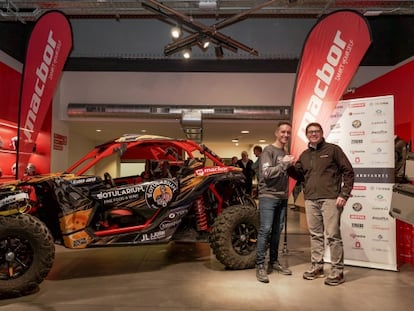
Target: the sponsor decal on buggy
(77, 240)
(83, 180)
(212, 170)
(121, 194)
(14, 198)
(173, 219)
(167, 224)
(82, 241)
(158, 235)
(178, 212)
(159, 193)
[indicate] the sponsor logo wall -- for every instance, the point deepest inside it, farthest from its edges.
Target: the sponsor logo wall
(364, 128)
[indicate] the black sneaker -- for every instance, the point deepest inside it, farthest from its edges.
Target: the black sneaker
(261, 274)
(314, 272)
(334, 278)
(278, 268)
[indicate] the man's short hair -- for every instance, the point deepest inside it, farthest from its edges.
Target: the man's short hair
(316, 124)
(284, 123)
(257, 147)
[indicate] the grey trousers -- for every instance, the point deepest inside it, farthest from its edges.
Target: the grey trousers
(324, 219)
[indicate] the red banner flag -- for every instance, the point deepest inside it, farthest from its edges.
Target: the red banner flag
(48, 48)
(330, 57)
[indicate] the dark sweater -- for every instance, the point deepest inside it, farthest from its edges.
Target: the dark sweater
(273, 175)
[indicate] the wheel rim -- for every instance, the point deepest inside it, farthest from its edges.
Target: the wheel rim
(244, 239)
(16, 257)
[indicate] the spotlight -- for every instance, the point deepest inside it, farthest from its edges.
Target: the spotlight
(187, 53)
(205, 43)
(176, 32)
(219, 52)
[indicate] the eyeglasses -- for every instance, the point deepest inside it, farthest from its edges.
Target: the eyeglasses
(313, 132)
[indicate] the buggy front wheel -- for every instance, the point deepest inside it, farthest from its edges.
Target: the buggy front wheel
(26, 254)
(234, 236)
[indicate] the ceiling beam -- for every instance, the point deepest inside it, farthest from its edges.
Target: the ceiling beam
(199, 30)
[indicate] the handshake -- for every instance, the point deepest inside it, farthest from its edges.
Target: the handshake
(288, 160)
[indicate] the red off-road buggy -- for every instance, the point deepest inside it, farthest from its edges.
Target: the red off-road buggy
(184, 193)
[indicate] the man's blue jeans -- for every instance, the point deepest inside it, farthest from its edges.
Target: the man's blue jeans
(272, 218)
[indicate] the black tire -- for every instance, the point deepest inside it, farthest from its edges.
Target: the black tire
(27, 252)
(234, 236)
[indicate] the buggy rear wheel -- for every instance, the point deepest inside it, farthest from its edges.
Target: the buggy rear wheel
(234, 236)
(26, 254)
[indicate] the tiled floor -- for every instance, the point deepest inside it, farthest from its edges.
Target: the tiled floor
(188, 277)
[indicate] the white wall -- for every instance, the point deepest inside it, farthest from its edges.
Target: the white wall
(233, 89)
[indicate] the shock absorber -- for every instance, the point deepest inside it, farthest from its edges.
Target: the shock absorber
(200, 213)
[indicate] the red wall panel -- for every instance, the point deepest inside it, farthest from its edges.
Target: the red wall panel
(10, 92)
(10, 82)
(400, 83)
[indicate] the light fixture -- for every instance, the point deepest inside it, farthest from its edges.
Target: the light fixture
(262, 140)
(244, 132)
(235, 140)
(207, 4)
(203, 44)
(176, 32)
(219, 52)
(187, 53)
(197, 29)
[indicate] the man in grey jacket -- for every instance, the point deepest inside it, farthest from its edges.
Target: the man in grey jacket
(273, 194)
(328, 180)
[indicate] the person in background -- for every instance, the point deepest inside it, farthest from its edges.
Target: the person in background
(328, 180)
(234, 161)
(246, 164)
(257, 150)
(273, 196)
(400, 154)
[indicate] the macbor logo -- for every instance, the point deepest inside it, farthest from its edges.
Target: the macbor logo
(41, 73)
(212, 170)
(323, 80)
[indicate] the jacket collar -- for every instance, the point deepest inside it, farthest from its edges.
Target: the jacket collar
(318, 146)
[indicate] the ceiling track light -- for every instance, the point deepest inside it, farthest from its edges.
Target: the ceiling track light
(203, 44)
(218, 50)
(187, 53)
(176, 32)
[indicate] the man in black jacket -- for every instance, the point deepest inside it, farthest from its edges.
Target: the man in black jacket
(328, 180)
(246, 164)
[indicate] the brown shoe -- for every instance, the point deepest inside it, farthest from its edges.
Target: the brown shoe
(315, 271)
(261, 274)
(278, 268)
(334, 278)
